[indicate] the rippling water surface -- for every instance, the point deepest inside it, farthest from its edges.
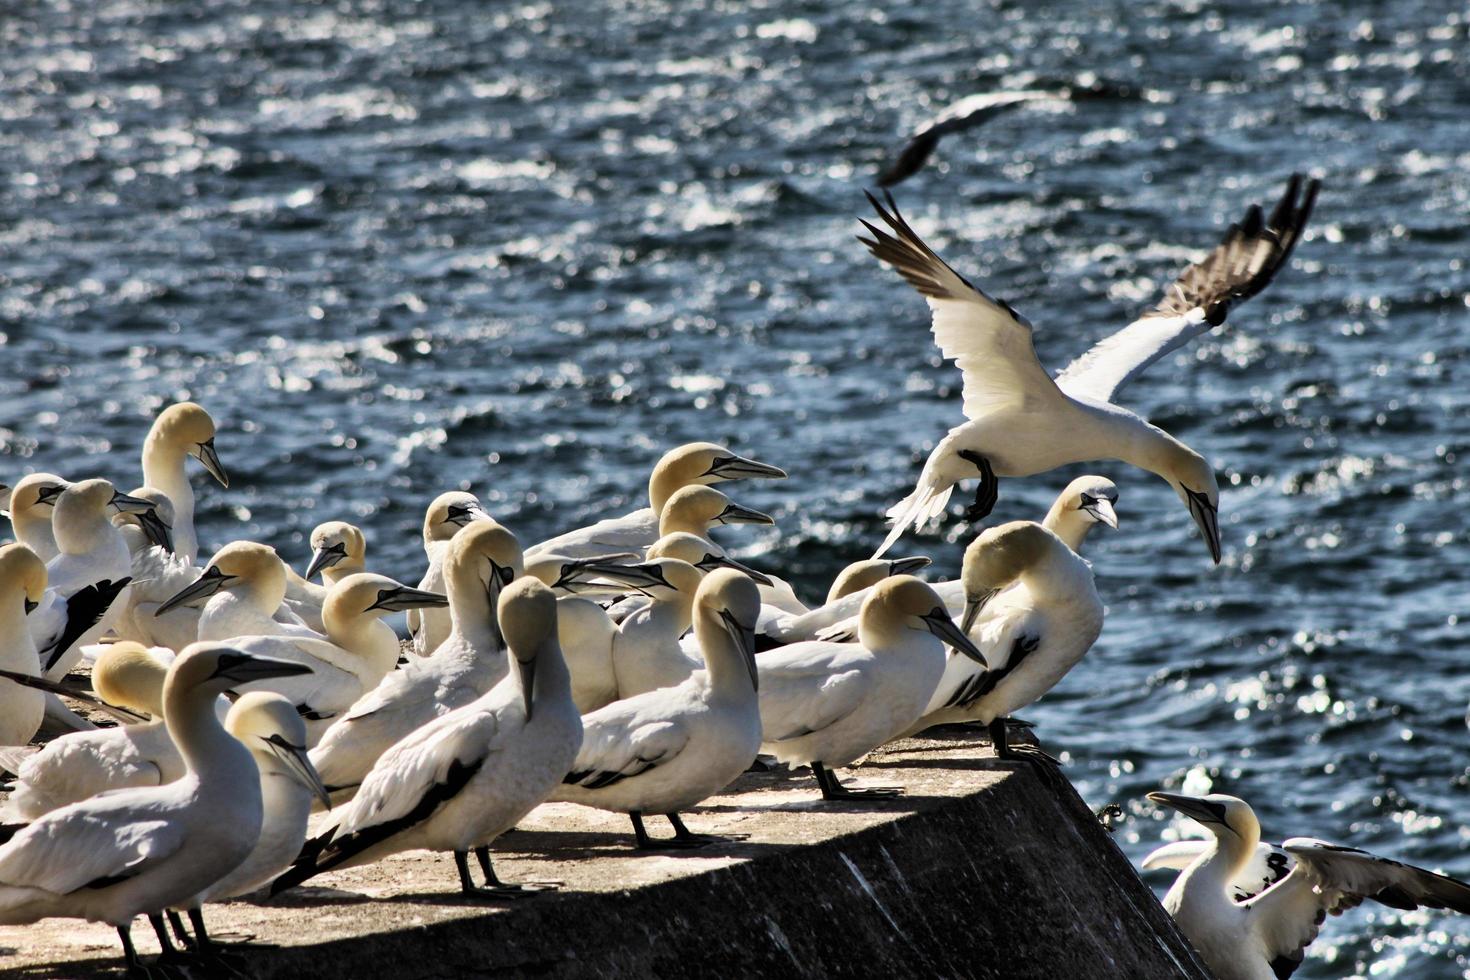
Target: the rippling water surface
(396, 248)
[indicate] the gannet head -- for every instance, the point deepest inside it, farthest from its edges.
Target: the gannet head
(697, 552)
(369, 594)
(336, 545)
(82, 511)
(157, 524)
(269, 726)
(483, 558)
(696, 509)
(1224, 816)
(729, 598)
(869, 572)
(127, 675)
(449, 512)
(211, 669)
(702, 463)
(527, 614)
(996, 558)
(1193, 480)
(189, 428)
(239, 562)
(1095, 497)
(902, 602)
(35, 494)
(23, 570)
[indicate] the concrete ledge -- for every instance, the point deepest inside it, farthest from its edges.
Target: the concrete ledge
(983, 869)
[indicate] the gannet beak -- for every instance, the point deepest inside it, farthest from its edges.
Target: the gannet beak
(974, 605)
(734, 467)
(735, 514)
(575, 572)
(712, 561)
(1102, 509)
(1194, 808)
(1207, 518)
(402, 597)
(207, 585)
(124, 504)
(744, 637)
(42, 684)
(206, 454)
(299, 764)
(635, 576)
(243, 668)
(324, 558)
(908, 566)
(527, 670)
(156, 529)
(943, 627)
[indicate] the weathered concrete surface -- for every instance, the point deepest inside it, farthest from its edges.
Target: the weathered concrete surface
(983, 869)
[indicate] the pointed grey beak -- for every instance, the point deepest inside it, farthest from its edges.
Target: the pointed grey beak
(579, 571)
(943, 627)
(736, 514)
(1207, 518)
(908, 566)
(324, 558)
(712, 561)
(1102, 509)
(1193, 807)
(298, 763)
(734, 467)
(207, 585)
(641, 576)
(52, 687)
(527, 671)
(402, 597)
(243, 668)
(974, 605)
(124, 504)
(206, 454)
(744, 637)
(156, 529)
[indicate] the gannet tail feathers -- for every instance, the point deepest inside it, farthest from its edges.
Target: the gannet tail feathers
(12, 757)
(925, 504)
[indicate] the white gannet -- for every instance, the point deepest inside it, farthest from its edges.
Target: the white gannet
(22, 587)
(181, 431)
(697, 551)
(692, 464)
(446, 515)
(666, 750)
(1021, 421)
(80, 765)
(338, 549)
(1042, 614)
(827, 704)
(483, 558)
(844, 599)
(584, 629)
(31, 501)
(1265, 937)
(88, 581)
(158, 573)
(468, 776)
(1267, 865)
(694, 510)
(358, 652)
(646, 652)
(243, 589)
(139, 851)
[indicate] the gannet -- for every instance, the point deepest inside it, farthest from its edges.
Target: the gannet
(31, 502)
(80, 765)
(446, 515)
(338, 549)
(138, 851)
(148, 529)
(465, 778)
(666, 750)
(646, 653)
(827, 704)
(1021, 422)
(482, 559)
(358, 652)
(696, 509)
(1265, 937)
(88, 580)
(584, 629)
(692, 464)
(696, 550)
(1267, 865)
(778, 626)
(158, 573)
(243, 589)
(181, 431)
(22, 587)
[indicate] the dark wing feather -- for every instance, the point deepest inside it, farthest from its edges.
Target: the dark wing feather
(84, 609)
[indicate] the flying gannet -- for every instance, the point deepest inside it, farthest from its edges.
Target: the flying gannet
(180, 431)
(447, 513)
(1265, 937)
(1021, 421)
(468, 776)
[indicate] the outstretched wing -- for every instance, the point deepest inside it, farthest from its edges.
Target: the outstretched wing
(1243, 264)
(1268, 865)
(967, 113)
(987, 339)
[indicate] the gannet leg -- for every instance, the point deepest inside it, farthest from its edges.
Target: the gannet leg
(644, 842)
(834, 790)
(176, 923)
(987, 493)
(134, 963)
(684, 837)
(1004, 750)
(170, 954)
(493, 888)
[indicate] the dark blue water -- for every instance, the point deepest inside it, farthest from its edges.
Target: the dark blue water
(396, 248)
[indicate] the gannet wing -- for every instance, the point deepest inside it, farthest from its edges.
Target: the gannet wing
(1268, 865)
(636, 531)
(967, 113)
(807, 687)
(84, 609)
(1244, 263)
(93, 843)
(1330, 879)
(989, 341)
(620, 744)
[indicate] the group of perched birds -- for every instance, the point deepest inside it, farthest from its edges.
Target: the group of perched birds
(632, 666)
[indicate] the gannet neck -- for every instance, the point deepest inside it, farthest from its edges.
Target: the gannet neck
(1057, 572)
(30, 518)
(1124, 436)
(471, 604)
(671, 613)
(1068, 523)
(553, 680)
(209, 752)
(729, 673)
(163, 469)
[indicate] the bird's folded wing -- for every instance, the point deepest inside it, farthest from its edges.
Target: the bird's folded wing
(86, 845)
(616, 747)
(987, 339)
(808, 694)
(636, 531)
(1244, 263)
